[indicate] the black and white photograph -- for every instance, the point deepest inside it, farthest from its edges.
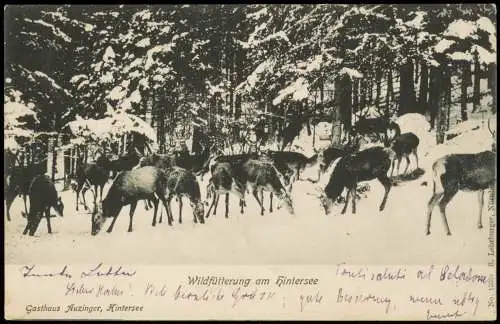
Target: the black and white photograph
(252, 134)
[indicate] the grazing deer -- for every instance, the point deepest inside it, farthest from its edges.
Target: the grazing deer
(376, 126)
(18, 183)
(224, 182)
(262, 176)
(368, 164)
(43, 195)
(182, 182)
(127, 189)
(279, 161)
(466, 172)
(403, 145)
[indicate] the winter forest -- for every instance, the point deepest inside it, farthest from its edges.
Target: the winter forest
(309, 105)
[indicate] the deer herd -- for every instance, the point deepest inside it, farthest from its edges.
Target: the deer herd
(162, 177)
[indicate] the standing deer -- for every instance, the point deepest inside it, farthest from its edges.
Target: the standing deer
(92, 174)
(262, 176)
(18, 182)
(403, 145)
(43, 195)
(127, 189)
(377, 126)
(368, 164)
(224, 182)
(183, 183)
(466, 172)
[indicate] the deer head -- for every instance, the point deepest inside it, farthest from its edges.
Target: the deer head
(59, 207)
(286, 200)
(199, 211)
(97, 215)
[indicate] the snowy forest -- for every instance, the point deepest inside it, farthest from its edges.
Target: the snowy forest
(242, 78)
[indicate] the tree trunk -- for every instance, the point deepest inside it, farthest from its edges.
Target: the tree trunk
(442, 117)
(362, 101)
(492, 85)
(434, 94)
(388, 96)
(370, 90)
(337, 111)
(406, 89)
(424, 88)
(463, 94)
(355, 95)
(476, 96)
(378, 76)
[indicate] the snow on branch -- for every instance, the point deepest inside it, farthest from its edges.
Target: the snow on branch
(38, 76)
(298, 90)
(461, 29)
(352, 73)
(115, 125)
(56, 31)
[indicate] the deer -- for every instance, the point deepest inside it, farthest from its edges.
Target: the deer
(125, 162)
(333, 152)
(92, 174)
(465, 172)
(263, 176)
(127, 189)
(278, 160)
(43, 196)
(18, 182)
(368, 164)
(377, 126)
(183, 183)
(192, 162)
(404, 145)
(224, 182)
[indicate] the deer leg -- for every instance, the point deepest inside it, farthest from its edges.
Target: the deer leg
(386, 182)
(211, 205)
(110, 228)
(25, 208)
(262, 201)
(448, 195)
(146, 205)
(349, 192)
(155, 204)
(270, 202)
(168, 206)
(77, 196)
(481, 204)
(416, 157)
(216, 204)
(28, 225)
(227, 204)
(407, 157)
(180, 209)
(399, 164)
(255, 194)
(47, 215)
(131, 215)
(393, 164)
(430, 206)
(102, 187)
(353, 196)
(9, 199)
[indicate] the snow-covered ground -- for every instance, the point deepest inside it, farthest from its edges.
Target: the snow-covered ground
(394, 236)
